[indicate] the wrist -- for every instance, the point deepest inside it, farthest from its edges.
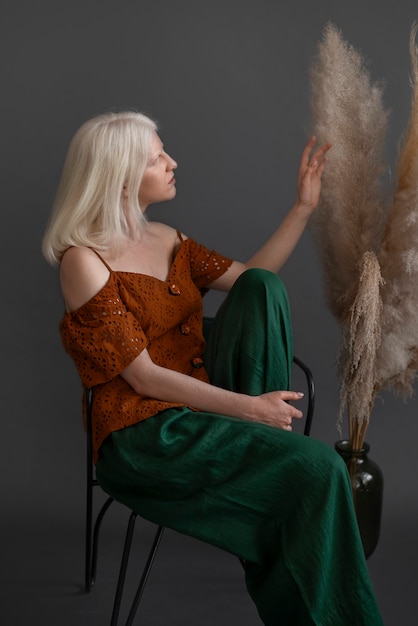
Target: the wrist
(302, 210)
(249, 407)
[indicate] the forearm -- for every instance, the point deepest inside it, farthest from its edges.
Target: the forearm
(275, 252)
(280, 246)
(153, 381)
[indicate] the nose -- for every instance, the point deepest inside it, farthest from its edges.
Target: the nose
(171, 163)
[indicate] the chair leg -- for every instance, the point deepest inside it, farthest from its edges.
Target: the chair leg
(145, 574)
(87, 399)
(89, 523)
(123, 568)
(96, 532)
(92, 540)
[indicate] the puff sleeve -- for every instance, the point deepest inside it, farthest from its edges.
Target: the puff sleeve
(206, 265)
(102, 337)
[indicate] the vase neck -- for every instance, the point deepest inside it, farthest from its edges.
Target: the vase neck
(344, 448)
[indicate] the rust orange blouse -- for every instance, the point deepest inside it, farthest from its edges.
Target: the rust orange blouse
(132, 312)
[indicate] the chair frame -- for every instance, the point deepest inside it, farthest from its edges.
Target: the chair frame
(93, 532)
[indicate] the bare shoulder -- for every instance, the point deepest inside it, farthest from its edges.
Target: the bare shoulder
(83, 262)
(82, 275)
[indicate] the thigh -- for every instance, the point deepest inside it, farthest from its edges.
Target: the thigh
(223, 480)
(250, 348)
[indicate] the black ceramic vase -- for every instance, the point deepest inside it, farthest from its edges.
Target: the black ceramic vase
(367, 485)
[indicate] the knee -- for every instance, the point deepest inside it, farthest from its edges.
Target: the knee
(257, 280)
(328, 463)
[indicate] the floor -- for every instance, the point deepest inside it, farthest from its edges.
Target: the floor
(191, 583)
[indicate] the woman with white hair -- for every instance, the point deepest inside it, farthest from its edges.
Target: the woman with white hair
(191, 435)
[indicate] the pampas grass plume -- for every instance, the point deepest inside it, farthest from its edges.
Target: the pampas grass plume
(347, 110)
(361, 339)
(397, 358)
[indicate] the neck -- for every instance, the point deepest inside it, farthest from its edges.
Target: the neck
(137, 225)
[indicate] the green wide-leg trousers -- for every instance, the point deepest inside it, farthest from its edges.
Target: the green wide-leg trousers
(279, 500)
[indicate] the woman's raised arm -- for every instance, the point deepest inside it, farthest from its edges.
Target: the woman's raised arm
(275, 252)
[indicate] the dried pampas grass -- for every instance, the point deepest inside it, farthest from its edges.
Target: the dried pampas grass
(397, 357)
(360, 341)
(369, 249)
(347, 109)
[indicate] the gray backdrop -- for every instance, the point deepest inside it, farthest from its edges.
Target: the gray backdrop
(228, 82)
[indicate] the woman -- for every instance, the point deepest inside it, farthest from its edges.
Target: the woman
(192, 436)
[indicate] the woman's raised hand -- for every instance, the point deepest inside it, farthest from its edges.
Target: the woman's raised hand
(312, 165)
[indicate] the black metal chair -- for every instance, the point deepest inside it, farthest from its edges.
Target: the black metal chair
(92, 532)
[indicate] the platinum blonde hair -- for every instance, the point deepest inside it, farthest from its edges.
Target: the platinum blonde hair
(106, 157)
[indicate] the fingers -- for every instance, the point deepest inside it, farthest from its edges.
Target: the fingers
(286, 423)
(307, 152)
(291, 395)
(318, 159)
(293, 413)
(296, 414)
(310, 144)
(277, 410)
(321, 166)
(321, 151)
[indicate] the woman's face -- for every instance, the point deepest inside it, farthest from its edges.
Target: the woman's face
(158, 182)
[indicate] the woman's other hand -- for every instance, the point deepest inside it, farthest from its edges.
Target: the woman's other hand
(273, 408)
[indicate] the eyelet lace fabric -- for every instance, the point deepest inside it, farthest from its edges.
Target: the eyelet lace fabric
(132, 312)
